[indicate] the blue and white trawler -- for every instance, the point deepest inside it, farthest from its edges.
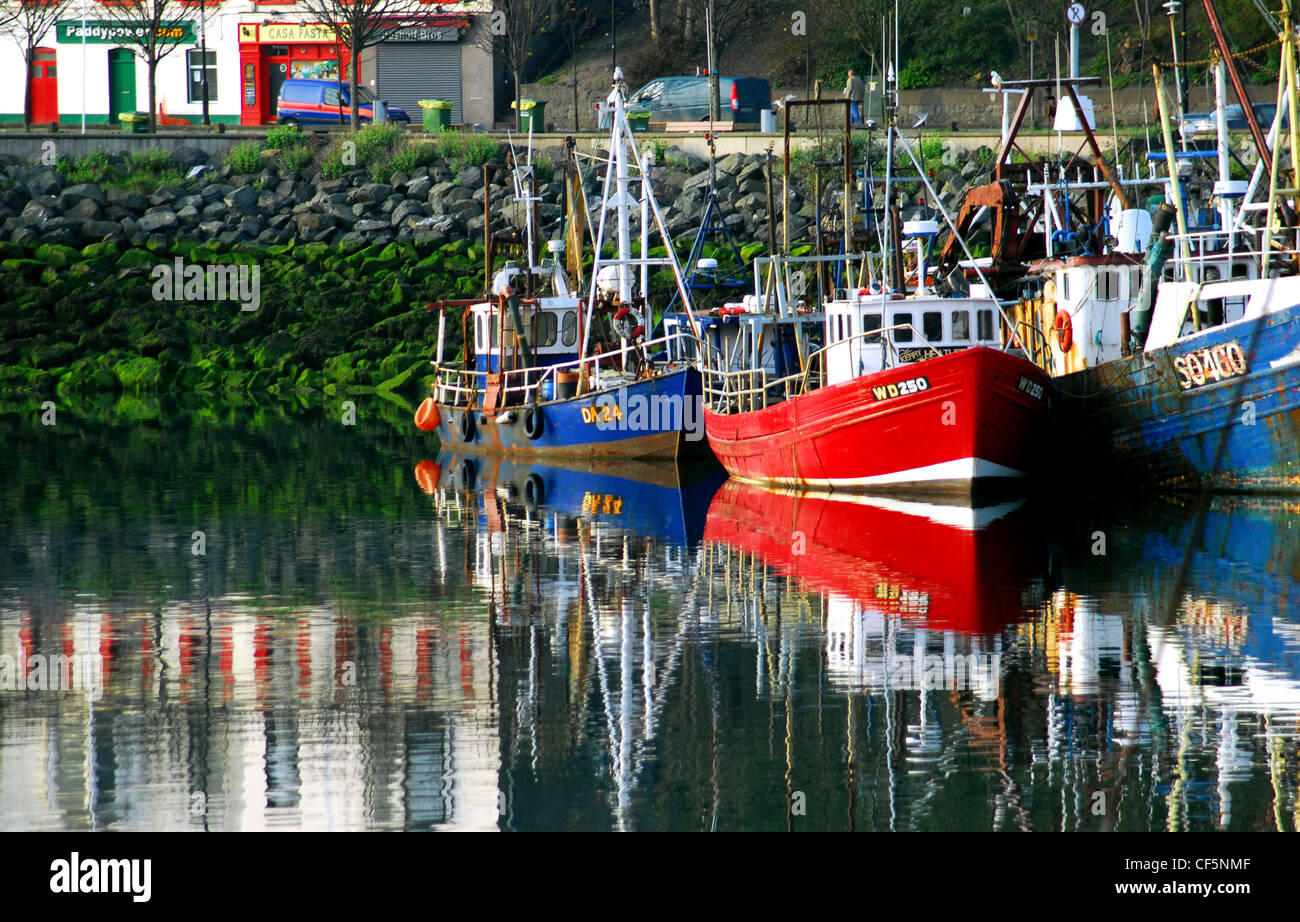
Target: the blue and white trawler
(549, 373)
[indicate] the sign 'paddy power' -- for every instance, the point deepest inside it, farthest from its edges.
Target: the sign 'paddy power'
(107, 31)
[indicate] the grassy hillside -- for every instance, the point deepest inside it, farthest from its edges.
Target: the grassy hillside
(941, 42)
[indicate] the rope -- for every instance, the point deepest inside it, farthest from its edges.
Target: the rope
(1214, 58)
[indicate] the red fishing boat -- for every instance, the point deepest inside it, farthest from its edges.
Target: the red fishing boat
(890, 385)
(920, 399)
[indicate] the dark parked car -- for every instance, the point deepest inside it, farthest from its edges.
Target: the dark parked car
(686, 99)
(1205, 123)
(319, 102)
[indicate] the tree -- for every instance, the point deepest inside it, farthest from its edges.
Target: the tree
(357, 25)
(152, 29)
(512, 27)
(860, 22)
(730, 16)
(727, 18)
(27, 21)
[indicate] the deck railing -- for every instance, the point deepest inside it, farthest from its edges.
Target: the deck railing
(749, 389)
(1039, 350)
(1205, 247)
(454, 386)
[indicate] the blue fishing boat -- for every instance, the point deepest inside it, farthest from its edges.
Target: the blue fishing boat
(1213, 409)
(548, 373)
(1190, 379)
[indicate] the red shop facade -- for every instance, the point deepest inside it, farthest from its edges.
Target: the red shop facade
(272, 52)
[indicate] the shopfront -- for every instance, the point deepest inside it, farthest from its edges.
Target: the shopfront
(103, 76)
(270, 53)
(421, 60)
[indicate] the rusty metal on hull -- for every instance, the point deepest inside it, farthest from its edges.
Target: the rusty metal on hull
(1239, 434)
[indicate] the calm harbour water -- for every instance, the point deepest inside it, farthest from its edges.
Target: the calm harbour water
(252, 619)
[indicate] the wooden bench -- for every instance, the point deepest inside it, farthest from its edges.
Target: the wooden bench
(692, 126)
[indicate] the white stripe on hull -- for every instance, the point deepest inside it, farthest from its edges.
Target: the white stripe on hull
(963, 470)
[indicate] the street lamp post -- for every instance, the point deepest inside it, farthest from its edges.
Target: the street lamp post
(1172, 7)
(83, 70)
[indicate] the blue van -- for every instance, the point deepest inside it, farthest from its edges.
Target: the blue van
(319, 102)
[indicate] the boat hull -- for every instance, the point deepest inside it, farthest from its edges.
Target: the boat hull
(654, 419)
(974, 424)
(1218, 410)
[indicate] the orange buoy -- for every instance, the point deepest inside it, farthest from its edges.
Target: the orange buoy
(426, 417)
(427, 475)
(1064, 330)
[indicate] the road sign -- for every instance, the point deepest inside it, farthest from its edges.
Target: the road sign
(1075, 13)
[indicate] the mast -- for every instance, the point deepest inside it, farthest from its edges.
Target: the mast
(616, 194)
(1221, 125)
(1171, 163)
(888, 271)
(617, 151)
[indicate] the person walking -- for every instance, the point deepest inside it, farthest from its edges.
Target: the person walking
(855, 91)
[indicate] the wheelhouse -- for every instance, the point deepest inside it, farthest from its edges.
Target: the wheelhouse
(551, 326)
(866, 333)
(742, 336)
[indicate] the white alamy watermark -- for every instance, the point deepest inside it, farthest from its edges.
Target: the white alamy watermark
(75, 874)
(80, 672)
(980, 673)
(182, 281)
(648, 413)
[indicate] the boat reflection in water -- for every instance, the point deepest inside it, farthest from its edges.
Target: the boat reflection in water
(568, 560)
(632, 648)
(954, 567)
(1190, 657)
(653, 499)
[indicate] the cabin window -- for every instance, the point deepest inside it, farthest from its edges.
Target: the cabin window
(1105, 285)
(904, 332)
(985, 321)
(569, 328)
(932, 325)
(870, 323)
(1065, 286)
(480, 338)
(1240, 271)
(961, 326)
(546, 328)
(492, 329)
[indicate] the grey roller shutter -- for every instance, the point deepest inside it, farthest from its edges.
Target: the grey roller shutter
(406, 72)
